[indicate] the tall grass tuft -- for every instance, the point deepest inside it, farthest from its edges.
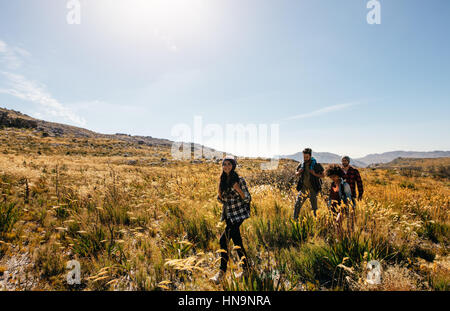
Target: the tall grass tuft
(9, 215)
(281, 232)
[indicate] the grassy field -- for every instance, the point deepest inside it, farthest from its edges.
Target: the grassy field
(137, 220)
(411, 167)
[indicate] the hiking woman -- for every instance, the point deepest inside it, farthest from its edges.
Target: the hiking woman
(340, 198)
(235, 197)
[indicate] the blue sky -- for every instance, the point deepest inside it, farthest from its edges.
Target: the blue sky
(317, 68)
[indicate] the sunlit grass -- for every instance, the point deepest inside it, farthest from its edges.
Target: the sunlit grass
(154, 225)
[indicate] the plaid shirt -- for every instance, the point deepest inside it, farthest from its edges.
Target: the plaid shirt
(235, 209)
(353, 178)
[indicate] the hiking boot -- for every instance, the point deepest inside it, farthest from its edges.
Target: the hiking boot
(218, 277)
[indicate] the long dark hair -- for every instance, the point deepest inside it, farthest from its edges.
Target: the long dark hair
(228, 180)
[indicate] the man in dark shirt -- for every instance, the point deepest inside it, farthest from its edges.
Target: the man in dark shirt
(352, 177)
(309, 184)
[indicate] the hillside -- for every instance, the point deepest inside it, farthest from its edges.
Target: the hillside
(381, 158)
(436, 167)
(323, 157)
(389, 156)
(135, 219)
(16, 120)
(414, 162)
(11, 118)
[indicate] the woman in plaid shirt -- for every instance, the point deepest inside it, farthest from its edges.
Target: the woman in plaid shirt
(235, 197)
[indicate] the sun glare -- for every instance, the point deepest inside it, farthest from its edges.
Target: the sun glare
(163, 18)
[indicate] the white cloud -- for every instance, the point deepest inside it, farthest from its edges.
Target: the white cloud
(20, 87)
(12, 58)
(321, 111)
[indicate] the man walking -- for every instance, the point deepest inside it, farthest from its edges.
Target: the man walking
(352, 177)
(309, 183)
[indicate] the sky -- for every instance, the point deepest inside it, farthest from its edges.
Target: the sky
(314, 71)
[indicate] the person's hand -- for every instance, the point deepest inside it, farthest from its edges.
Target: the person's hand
(312, 172)
(239, 190)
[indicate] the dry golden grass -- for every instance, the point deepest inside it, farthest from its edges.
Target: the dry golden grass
(137, 220)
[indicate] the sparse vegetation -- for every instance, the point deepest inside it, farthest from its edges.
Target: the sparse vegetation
(151, 224)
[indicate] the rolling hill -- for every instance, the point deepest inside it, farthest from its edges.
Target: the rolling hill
(323, 157)
(376, 158)
(390, 156)
(16, 119)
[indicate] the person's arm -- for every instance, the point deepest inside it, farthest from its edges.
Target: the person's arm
(242, 189)
(320, 171)
(320, 175)
(239, 190)
(359, 183)
(298, 170)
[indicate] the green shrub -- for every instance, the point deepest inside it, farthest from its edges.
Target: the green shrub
(303, 229)
(9, 215)
(273, 234)
(435, 231)
(318, 263)
(282, 232)
(357, 248)
(90, 243)
(174, 249)
(440, 280)
(408, 185)
(310, 263)
(199, 231)
(115, 214)
(48, 260)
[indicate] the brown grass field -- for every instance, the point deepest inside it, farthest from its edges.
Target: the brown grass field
(137, 220)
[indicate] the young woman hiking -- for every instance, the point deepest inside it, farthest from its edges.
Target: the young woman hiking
(340, 199)
(233, 194)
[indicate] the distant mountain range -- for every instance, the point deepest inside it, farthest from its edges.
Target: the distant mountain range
(416, 163)
(12, 118)
(323, 157)
(326, 157)
(389, 156)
